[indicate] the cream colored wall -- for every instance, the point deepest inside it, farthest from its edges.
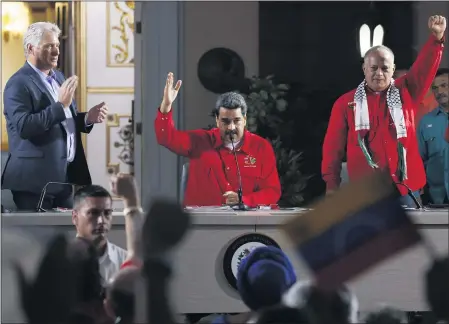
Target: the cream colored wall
(12, 60)
(109, 77)
(210, 24)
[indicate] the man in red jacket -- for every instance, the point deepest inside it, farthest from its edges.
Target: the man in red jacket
(213, 178)
(376, 121)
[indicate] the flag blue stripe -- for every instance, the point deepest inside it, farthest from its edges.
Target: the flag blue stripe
(352, 232)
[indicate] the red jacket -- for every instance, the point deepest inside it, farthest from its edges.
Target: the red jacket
(382, 136)
(212, 168)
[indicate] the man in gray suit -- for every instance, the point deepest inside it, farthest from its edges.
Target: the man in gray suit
(44, 127)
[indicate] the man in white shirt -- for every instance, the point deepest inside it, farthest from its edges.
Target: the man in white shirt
(44, 125)
(92, 217)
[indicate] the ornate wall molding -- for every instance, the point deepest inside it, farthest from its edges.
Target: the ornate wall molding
(80, 60)
(120, 33)
(111, 90)
(119, 144)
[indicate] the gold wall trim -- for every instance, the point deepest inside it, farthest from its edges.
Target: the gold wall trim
(121, 59)
(111, 90)
(113, 121)
(80, 63)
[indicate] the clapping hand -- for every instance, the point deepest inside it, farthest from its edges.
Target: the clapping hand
(67, 91)
(437, 25)
(97, 114)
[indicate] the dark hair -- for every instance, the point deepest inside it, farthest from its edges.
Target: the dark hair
(386, 316)
(442, 71)
(122, 303)
(230, 100)
(90, 191)
(84, 259)
(282, 314)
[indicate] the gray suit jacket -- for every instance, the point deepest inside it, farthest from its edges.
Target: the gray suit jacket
(36, 137)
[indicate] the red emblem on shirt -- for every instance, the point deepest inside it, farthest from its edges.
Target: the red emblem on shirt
(250, 161)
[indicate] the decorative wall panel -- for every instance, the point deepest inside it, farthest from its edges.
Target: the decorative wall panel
(120, 33)
(119, 144)
(107, 44)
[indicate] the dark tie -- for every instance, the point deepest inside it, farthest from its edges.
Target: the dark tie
(446, 134)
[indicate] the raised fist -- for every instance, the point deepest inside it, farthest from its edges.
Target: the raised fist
(124, 186)
(437, 25)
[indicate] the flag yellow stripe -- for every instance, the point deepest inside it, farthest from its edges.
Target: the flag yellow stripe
(348, 200)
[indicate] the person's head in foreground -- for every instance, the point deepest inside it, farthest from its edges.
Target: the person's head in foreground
(230, 115)
(341, 305)
(437, 288)
(120, 300)
(378, 67)
(92, 215)
(386, 315)
(280, 314)
(264, 276)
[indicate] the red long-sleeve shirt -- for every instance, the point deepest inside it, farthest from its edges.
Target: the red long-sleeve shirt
(212, 168)
(382, 140)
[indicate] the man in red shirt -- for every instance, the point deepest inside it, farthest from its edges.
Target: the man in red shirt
(213, 178)
(376, 121)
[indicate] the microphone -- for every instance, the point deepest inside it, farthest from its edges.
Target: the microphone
(410, 193)
(240, 205)
(44, 191)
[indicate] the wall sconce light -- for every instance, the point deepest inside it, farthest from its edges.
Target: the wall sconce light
(365, 38)
(15, 19)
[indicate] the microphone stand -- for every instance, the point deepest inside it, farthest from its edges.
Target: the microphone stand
(240, 205)
(44, 191)
(410, 193)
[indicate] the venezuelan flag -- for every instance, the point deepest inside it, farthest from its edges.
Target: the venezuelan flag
(360, 225)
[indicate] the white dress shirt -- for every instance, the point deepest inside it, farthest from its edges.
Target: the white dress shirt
(111, 261)
(69, 124)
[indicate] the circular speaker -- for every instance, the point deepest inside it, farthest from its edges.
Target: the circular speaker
(220, 69)
(239, 249)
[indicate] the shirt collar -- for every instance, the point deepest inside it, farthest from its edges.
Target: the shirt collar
(109, 253)
(246, 140)
(51, 75)
(439, 110)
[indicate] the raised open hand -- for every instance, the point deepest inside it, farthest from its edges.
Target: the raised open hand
(437, 25)
(170, 93)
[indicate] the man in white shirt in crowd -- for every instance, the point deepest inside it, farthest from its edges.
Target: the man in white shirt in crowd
(92, 217)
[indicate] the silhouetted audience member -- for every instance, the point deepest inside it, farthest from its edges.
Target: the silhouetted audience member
(341, 305)
(264, 276)
(437, 288)
(120, 299)
(90, 293)
(49, 298)
(281, 315)
(386, 315)
(166, 224)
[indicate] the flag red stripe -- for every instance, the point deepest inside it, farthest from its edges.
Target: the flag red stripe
(354, 263)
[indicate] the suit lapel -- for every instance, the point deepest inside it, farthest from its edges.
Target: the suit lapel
(40, 84)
